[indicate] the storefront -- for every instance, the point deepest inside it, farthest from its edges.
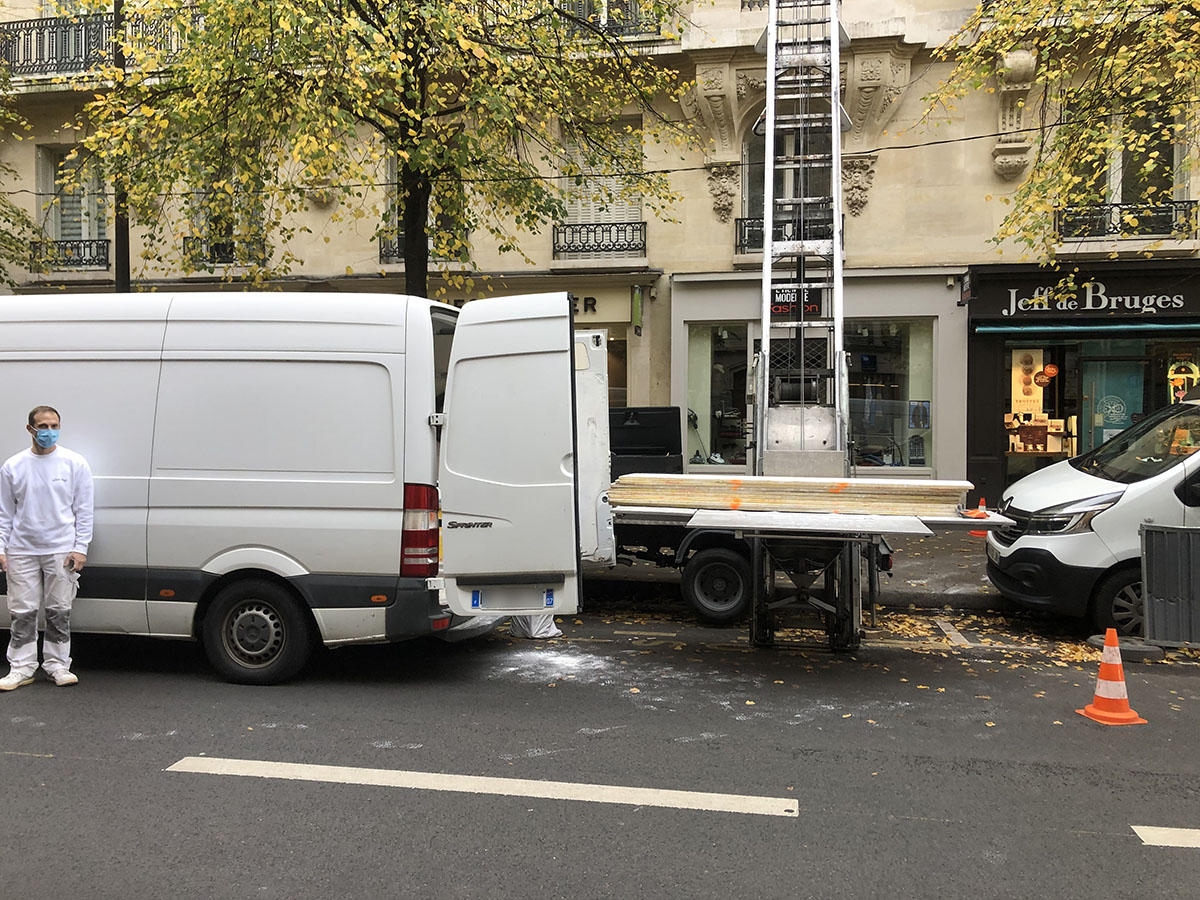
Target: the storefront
(1055, 372)
(905, 339)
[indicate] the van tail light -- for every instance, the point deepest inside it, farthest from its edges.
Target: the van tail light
(419, 537)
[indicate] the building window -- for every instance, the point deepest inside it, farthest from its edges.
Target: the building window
(227, 224)
(718, 361)
(813, 181)
(1140, 190)
(892, 415)
(447, 239)
(75, 227)
(604, 221)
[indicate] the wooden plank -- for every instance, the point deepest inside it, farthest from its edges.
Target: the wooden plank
(850, 495)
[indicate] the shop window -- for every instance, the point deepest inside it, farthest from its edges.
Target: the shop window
(716, 414)
(891, 392)
(1069, 397)
(618, 371)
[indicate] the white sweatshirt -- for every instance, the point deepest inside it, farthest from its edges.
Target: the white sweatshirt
(45, 503)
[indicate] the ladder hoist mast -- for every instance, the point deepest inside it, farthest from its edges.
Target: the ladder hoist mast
(801, 394)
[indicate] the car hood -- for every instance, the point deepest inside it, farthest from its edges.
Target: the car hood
(1057, 484)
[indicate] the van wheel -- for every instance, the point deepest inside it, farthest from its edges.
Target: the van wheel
(716, 582)
(256, 633)
(1119, 603)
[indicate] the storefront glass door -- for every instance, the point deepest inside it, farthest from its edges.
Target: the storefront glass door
(1112, 391)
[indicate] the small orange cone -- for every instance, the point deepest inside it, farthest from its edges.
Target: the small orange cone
(1110, 705)
(982, 513)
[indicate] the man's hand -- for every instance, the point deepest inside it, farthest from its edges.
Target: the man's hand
(3, 562)
(75, 562)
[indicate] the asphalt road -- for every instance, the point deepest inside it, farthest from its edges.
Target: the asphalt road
(917, 773)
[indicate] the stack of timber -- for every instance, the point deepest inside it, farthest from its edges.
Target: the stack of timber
(870, 496)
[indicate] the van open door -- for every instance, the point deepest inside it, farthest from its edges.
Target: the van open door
(507, 473)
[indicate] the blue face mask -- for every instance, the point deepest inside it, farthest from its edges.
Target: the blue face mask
(46, 437)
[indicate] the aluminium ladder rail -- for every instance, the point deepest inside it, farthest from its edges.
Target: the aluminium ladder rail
(802, 239)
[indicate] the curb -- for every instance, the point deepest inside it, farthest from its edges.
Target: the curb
(1132, 649)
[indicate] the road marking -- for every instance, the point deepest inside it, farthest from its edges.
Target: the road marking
(503, 787)
(1153, 836)
(952, 633)
(649, 633)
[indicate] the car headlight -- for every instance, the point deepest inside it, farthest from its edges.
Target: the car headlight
(1072, 517)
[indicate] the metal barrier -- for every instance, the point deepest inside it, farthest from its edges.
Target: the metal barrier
(1171, 584)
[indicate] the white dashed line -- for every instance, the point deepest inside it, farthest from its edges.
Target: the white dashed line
(1154, 836)
(503, 787)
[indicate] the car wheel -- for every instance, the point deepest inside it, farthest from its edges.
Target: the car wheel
(255, 632)
(1119, 603)
(716, 582)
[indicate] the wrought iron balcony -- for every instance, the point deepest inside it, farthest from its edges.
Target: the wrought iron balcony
(620, 18)
(201, 251)
(391, 252)
(57, 256)
(600, 240)
(1174, 218)
(64, 45)
(749, 232)
(754, 4)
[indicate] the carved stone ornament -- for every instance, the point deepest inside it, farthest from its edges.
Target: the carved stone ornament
(723, 183)
(876, 73)
(857, 174)
(1011, 155)
(750, 83)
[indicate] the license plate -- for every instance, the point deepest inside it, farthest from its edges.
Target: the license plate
(993, 554)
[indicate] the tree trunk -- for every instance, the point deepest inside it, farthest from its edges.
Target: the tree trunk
(414, 192)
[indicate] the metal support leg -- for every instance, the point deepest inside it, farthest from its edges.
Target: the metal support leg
(845, 626)
(871, 552)
(762, 577)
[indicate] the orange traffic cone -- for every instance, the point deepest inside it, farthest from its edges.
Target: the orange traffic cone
(1110, 705)
(980, 514)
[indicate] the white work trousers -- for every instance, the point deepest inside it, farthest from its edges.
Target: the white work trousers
(40, 583)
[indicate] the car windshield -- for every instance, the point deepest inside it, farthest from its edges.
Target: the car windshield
(1158, 442)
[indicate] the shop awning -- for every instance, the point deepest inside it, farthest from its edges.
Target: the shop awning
(1074, 328)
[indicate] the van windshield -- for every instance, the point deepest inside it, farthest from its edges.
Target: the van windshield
(1155, 444)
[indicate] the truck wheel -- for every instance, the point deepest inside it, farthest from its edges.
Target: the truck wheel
(256, 633)
(716, 582)
(1119, 603)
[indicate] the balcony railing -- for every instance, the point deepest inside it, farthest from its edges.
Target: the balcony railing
(65, 45)
(203, 251)
(600, 240)
(748, 237)
(58, 256)
(1175, 218)
(620, 18)
(391, 252)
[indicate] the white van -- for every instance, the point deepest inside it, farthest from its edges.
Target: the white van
(1075, 547)
(267, 465)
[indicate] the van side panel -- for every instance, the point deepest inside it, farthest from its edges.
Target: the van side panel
(99, 368)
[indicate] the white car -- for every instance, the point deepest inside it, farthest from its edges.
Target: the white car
(1075, 547)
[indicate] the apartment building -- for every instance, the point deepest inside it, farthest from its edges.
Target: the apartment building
(941, 326)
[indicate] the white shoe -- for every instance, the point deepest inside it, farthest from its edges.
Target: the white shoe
(64, 678)
(14, 680)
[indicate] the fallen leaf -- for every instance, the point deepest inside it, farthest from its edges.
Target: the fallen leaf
(635, 690)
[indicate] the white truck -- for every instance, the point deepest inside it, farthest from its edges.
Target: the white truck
(268, 470)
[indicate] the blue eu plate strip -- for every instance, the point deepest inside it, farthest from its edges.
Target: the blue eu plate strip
(476, 599)
(549, 598)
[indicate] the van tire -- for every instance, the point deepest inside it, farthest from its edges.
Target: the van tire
(1120, 603)
(255, 632)
(716, 582)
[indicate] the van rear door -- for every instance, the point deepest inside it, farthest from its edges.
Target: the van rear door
(507, 473)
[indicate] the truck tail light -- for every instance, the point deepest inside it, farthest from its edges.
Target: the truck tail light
(419, 537)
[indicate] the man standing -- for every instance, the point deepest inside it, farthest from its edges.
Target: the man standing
(45, 529)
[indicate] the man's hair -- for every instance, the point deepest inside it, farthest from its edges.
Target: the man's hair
(33, 413)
